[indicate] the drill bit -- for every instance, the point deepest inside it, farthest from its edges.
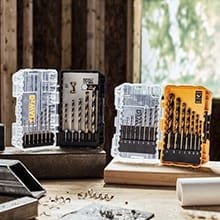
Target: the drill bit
(196, 131)
(200, 134)
(170, 118)
(79, 117)
(155, 122)
(46, 124)
(176, 124)
(145, 123)
(192, 129)
(37, 129)
(93, 114)
(49, 123)
(86, 113)
(150, 122)
(72, 120)
(183, 116)
(65, 122)
(188, 114)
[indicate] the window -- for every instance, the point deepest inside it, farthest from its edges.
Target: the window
(180, 42)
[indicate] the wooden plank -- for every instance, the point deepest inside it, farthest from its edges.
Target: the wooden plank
(79, 34)
(145, 174)
(115, 59)
(129, 67)
(91, 34)
(19, 208)
(95, 34)
(60, 163)
(28, 33)
(66, 34)
(46, 34)
(8, 61)
(137, 40)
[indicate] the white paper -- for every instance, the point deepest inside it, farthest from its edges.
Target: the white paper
(198, 191)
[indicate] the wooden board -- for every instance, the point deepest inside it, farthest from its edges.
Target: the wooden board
(62, 198)
(60, 163)
(144, 174)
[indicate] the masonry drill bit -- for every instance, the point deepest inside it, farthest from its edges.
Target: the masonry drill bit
(86, 114)
(72, 120)
(170, 118)
(188, 114)
(79, 117)
(93, 114)
(176, 124)
(183, 117)
(192, 130)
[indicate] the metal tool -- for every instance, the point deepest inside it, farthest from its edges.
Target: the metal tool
(79, 118)
(93, 113)
(150, 123)
(155, 122)
(183, 117)
(192, 130)
(176, 123)
(170, 118)
(188, 116)
(72, 120)
(86, 121)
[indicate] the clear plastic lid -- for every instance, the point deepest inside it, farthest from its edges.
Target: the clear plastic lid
(36, 96)
(137, 121)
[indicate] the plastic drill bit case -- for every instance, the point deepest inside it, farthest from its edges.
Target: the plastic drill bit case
(137, 121)
(78, 120)
(81, 108)
(37, 98)
(185, 125)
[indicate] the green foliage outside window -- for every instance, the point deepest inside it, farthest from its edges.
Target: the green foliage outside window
(180, 42)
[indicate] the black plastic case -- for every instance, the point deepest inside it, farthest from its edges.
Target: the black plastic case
(81, 108)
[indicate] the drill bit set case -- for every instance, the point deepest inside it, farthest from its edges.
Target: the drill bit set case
(52, 109)
(185, 125)
(137, 121)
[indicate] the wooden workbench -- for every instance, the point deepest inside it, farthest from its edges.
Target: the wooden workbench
(161, 201)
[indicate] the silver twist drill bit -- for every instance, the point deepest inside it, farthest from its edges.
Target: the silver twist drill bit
(93, 112)
(187, 127)
(87, 113)
(79, 117)
(145, 123)
(72, 120)
(155, 122)
(150, 123)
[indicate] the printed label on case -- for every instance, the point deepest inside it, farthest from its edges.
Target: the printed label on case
(198, 97)
(31, 108)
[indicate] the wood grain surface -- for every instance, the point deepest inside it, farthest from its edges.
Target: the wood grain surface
(162, 201)
(151, 174)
